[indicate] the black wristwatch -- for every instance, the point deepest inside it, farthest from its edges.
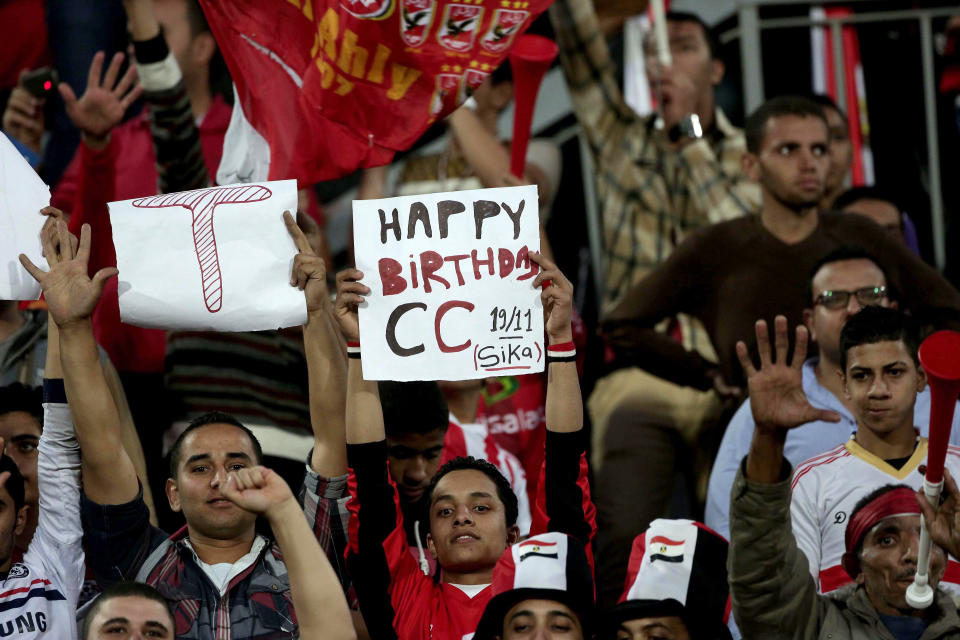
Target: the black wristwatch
(689, 127)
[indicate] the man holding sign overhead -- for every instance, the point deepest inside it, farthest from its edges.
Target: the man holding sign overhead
(471, 510)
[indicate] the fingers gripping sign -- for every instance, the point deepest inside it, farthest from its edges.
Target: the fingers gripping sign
(776, 388)
(557, 298)
(70, 293)
(350, 295)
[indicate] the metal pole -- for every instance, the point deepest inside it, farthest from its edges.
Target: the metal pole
(594, 226)
(933, 146)
(839, 68)
(750, 58)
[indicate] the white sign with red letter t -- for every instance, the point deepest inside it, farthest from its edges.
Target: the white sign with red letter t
(214, 259)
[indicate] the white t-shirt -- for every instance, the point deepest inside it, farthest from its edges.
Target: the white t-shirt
(222, 573)
(471, 590)
(827, 488)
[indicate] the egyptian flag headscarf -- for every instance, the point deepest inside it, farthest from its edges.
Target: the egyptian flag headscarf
(677, 568)
(550, 566)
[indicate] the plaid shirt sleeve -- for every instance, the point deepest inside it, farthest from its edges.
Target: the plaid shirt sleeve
(324, 502)
(594, 92)
(714, 176)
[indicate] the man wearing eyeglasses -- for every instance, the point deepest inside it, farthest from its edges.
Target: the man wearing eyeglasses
(843, 283)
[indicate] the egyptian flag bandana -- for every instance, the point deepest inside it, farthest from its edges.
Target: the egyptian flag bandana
(677, 568)
(550, 566)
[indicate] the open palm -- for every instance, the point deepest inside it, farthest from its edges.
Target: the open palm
(70, 293)
(776, 389)
(102, 105)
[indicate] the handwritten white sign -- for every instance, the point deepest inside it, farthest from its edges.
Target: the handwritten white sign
(214, 259)
(451, 285)
(22, 195)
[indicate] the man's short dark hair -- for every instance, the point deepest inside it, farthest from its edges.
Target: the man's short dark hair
(198, 21)
(504, 490)
(855, 194)
(867, 499)
(879, 324)
(846, 252)
(14, 484)
(20, 397)
(712, 42)
(123, 589)
(755, 129)
(413, 407)
(826, 102)
(213, 417)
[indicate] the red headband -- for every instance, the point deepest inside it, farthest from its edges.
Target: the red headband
(902, 501)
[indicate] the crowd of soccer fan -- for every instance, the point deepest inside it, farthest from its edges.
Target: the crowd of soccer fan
(746, 293)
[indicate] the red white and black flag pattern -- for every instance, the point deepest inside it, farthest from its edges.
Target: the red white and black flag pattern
(322, 84)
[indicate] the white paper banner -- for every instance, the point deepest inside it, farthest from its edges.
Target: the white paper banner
(212, 259)
(22, 195)
(451, 285)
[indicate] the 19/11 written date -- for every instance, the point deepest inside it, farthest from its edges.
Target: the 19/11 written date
(513, 320)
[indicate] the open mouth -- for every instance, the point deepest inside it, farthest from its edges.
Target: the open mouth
(219, 502)
(465, 538)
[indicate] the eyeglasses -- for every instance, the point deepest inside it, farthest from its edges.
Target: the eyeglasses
(867, 297)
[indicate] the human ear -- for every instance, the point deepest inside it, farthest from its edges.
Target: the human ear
(431, 547)
(716, 71)
(513, 535)
(21, 519)
(173, 495)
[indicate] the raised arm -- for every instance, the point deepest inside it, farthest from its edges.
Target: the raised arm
(770, 584)
(364, 412)
(176, 137)
(317, 597)
(594, 91)
(326, 359)
(564, 410)
(563, 495)
(109, 476)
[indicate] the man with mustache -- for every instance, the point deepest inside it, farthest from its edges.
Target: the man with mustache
(881, 536)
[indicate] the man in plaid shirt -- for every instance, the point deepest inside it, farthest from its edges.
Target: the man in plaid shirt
(655, 185)
(220, 577)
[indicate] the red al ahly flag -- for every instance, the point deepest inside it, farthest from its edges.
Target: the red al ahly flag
(335, 85)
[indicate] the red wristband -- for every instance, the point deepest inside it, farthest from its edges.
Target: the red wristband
(563, 352)
(353, 349)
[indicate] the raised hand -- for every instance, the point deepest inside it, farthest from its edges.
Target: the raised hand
(557, 299)
(49, 230)
(776, 389)
(257, 490)
(350, 292)
(70, 293)
(944, 521)
(103, 104)
(309, 273)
